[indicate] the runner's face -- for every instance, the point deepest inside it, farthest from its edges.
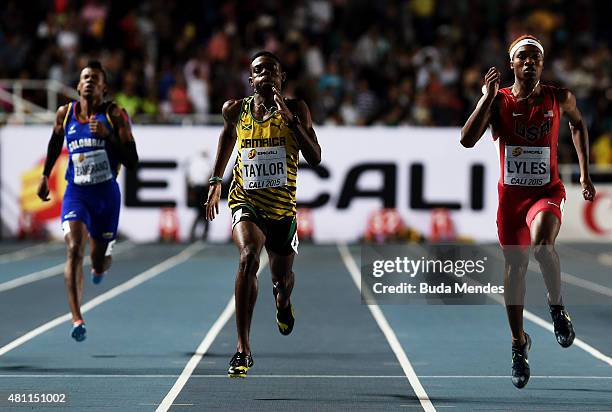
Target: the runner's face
(91, 83)
(528, 62)
(265, 74)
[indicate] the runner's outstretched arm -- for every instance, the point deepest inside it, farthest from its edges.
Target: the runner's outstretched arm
(580, 137)
(227, 141)
(480, 118)
(54, 149)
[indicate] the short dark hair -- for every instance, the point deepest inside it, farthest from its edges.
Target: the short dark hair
(96, 65)
(267, 54)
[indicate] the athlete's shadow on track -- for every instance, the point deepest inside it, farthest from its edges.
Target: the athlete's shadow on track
(361, 401)
(577, 389)
(102, 371)
(413, 398)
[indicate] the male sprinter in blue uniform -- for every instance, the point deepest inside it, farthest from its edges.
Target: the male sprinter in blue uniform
(99, 139)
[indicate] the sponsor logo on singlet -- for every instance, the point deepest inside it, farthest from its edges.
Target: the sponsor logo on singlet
(517, 151)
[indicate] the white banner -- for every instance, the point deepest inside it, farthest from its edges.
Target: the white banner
(363, 170)
(587, 221)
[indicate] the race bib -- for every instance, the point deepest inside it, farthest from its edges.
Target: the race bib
(527, 166)
(264, 167)
(91, 167)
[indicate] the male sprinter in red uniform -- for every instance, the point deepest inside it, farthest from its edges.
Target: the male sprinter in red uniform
(99, 138)
(525, 122)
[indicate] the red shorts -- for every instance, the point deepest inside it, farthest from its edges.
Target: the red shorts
(518, 208)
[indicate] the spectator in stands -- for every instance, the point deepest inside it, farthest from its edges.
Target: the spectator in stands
(127, 97)
(179, 98)
(346, 59)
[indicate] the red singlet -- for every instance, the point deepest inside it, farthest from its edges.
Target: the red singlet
(526, 138)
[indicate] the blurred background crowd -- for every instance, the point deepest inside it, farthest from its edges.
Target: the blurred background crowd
(355, 62)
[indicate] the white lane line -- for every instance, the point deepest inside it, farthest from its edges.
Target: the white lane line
(565, 277)
(596, 353)
(603, 258)
(110, 294)
(32, 277)
(384, 326)
(224, 376)
(586, 284)
(156, 404)
(549, 326)
(50, 272)
(227, 313)
(577, 341)
(534, 266)
(28, 252)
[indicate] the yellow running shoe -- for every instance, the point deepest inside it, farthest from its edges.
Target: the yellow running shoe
(239, 365)
(285, 318)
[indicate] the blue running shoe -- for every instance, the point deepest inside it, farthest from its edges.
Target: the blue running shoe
(79, 333)
(96, 278)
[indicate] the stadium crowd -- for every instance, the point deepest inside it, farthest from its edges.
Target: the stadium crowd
(355, 62)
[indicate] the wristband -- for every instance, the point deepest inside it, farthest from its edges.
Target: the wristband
(215, 179)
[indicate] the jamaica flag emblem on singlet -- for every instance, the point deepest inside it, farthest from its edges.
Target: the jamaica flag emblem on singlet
(247, 126)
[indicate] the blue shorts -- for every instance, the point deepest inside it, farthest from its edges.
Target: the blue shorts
(97, 206)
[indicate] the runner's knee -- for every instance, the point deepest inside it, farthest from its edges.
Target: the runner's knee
(75, 251)
(516, 265)
(543, 250)
(281, 277)
(249, 260)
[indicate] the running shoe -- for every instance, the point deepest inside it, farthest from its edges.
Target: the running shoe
(520, 363)
(285, 319)
(239, 365)
(96, 278)
(79, 333)
(564, 330)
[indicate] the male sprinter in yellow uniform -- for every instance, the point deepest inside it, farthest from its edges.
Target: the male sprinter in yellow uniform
(271, 131)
